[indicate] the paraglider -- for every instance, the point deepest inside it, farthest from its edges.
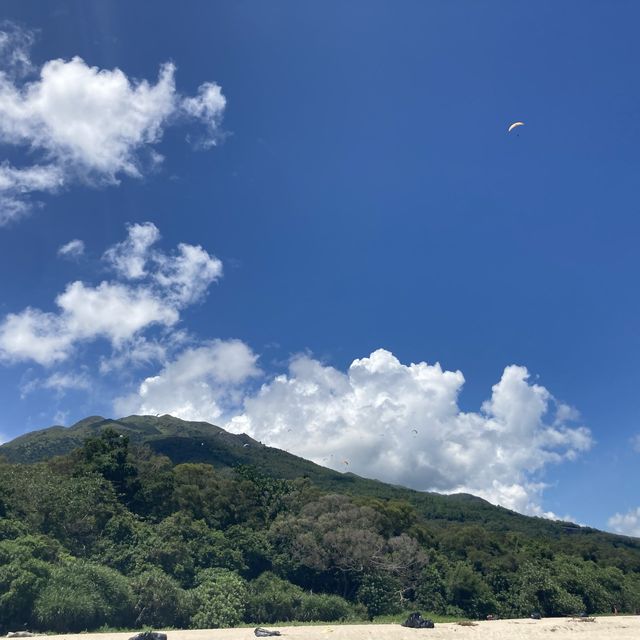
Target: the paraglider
(514, 126)
(345, 462)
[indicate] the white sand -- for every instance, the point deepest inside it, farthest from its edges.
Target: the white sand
(605, 628)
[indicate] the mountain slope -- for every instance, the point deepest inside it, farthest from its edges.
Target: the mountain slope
(184, 441)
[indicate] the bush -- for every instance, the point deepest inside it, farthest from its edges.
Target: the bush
(159, 600)
(218, 599)
(322, 607)
(272, 599)
(20, 583)
(82, 596)
(380, 595)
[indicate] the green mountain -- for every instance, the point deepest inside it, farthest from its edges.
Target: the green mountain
(200, 442)
(155, 521)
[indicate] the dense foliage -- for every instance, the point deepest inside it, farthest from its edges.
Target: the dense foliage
(114, 534)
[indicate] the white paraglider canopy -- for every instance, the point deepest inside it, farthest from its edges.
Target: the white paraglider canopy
(514, 125)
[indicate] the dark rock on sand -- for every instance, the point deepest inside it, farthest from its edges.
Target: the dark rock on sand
(416, 621)
(149, 635)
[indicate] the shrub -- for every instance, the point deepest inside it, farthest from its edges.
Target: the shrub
(322, 607)
(379, 594)
(218, 599)
(81, 596)
(159, 600)
(272, 599)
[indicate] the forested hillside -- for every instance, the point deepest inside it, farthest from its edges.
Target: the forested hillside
(157, 522)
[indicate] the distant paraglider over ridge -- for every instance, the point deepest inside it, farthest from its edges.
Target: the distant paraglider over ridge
(514, 126)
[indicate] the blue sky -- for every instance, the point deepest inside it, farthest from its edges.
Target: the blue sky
(323, 193)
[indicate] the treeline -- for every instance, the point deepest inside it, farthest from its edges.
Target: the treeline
(115, 535)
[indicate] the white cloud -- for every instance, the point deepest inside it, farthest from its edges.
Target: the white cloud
(15, 44)
(129, 258)
(60, 382)
(187, 276)
(137, 351)
(402, 424)
(627, 524)
(208, 106)
(86, 124)
(202, 383)
(635, 443)
(72, 249)
(116, 311)
(184, 277)
(15, 183)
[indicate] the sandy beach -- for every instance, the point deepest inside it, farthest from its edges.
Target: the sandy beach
(611, 627)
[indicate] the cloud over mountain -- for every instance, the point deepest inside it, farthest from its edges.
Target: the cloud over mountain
(402, 424)
(380, 419)
(627, 524)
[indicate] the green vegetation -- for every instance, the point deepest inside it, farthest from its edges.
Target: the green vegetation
(155, 522)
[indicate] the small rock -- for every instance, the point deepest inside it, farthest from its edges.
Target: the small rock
(416, 621)
(149, 635)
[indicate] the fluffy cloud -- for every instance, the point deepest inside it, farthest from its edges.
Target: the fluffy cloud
(115, 311)
(207, 106)
(627, 524)
(86, 124)
(184, 277)
(402, 424)
(202, 383)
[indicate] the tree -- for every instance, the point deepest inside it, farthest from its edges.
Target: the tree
(82, 595)
(159, 600)
(181, 546)
(466, 590)
(108, 455)
(218, 599)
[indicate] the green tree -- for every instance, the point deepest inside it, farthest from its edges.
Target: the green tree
(159, 600)
(467, 590)
(108, 455)
(218, 599)
(271, 599)
(380, 594)
(81, 595)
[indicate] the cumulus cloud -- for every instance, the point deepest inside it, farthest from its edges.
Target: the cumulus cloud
(116, 311)
(402, 424)
(202, 383)
(129, 257)
(627, 524)
(72, 249)
(85, 124)
(184, 276)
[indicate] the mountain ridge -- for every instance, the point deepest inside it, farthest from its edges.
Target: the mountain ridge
(192, 441)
